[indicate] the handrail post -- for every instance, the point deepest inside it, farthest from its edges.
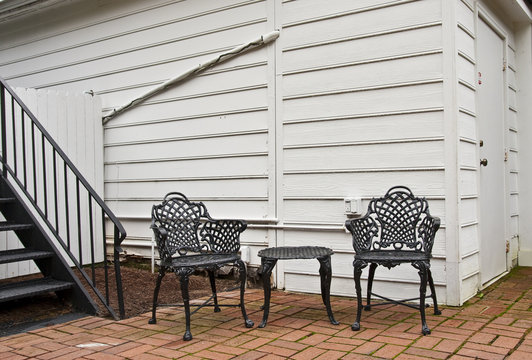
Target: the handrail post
(4, 129)
(118, 276)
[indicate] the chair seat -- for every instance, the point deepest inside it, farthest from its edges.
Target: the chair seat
(392, 255)
(200, 260)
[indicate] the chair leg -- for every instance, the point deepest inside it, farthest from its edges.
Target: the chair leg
(183, 277)
(358, 266)
(433, 293)
(213, 287)
(243, 277)
(162, 272)
(371, 275)
(423, 275)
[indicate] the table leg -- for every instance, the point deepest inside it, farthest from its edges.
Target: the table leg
(326, 275)
(267, 265)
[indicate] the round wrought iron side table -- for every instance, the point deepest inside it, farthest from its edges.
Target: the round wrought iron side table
(269, 257)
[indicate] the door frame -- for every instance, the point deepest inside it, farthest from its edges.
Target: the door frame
(483, 14)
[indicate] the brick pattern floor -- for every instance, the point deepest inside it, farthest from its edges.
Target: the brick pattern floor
(496, 326)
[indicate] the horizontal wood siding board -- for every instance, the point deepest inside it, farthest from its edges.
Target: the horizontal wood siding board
(465, 70)
(363, 183)
(189, 147)
(219, 103)
(399, 43)
(245, 208)
(415, 154)
(365, 129)
(465, 16)
(467, 125)
(469, 240)
(381, 19)
(469, 211)
(205, 84)
(296, 12)
(203, 168)
(189, 127)
(141, 227)
(468, 154)
(332, 211)
(389, 72)
(205, 187)
(345, 104)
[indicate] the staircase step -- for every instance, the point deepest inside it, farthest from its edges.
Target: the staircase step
(28, 288)
(9, 256)
(7, 225)
(4, 200)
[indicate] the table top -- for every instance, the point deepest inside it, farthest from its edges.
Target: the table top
(295, 252)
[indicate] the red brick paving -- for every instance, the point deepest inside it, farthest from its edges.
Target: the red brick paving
(498, 326)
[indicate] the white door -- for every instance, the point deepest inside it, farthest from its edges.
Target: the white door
(490, 110)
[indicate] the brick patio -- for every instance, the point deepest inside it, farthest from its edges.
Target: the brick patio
(496, 326)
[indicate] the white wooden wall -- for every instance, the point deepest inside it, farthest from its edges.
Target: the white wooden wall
(74, 121)
(207, 138)
(362, 111)
(348, 101)
(468, 144)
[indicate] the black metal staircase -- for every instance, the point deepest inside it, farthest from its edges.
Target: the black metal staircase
(56, 215)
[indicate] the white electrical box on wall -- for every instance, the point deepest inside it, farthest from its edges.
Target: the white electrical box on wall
(353, 206)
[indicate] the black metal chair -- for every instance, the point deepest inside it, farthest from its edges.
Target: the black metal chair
(397, 228)
(187, 239)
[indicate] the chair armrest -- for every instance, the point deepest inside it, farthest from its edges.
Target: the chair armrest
(222, 236)
(159, 231)
(161, 234)
(427, 231)
(363, 230)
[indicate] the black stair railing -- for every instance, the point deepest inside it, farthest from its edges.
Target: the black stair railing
(71, 209)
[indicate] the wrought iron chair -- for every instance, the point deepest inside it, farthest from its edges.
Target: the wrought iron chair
(397, 228)
(187, 239)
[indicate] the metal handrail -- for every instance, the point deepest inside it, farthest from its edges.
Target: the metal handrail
(10, 166)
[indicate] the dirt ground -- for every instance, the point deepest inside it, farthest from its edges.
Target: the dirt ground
(138, 283)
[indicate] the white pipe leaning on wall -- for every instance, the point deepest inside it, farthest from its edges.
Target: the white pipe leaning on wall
(261, 40)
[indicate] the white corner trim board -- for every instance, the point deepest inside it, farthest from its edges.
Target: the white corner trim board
(260, 41)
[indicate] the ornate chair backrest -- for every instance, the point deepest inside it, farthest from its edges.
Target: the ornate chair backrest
(399, 221)
(180, 218)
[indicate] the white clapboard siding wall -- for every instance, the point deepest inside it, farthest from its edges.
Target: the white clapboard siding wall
(348, 101)
(208, 137)
(468, 143)
(467, 130)
(356, 107)
(74, 121)
(362, 111)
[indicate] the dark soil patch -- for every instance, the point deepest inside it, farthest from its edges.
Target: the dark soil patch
(138, 283)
